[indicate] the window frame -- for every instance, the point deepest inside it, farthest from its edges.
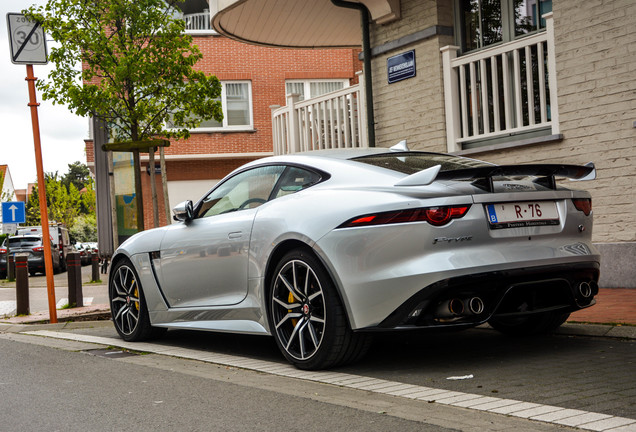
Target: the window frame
(507, 12)
(225, 127)
(307, 84)
(276, 188)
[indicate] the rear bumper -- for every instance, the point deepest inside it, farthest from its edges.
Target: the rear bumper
(518, 292)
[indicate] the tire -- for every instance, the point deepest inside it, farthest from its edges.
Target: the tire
(32, 272)
(128, 305)
(529, 325)
(306, 315)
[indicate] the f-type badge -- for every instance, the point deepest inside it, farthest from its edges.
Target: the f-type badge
(452, 239)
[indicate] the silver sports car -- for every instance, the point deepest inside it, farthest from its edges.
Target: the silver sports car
(322, 249)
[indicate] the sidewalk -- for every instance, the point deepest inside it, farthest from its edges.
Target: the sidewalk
(615, 307)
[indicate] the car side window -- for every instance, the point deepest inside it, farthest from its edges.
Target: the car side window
(295, 179)
(247, 189)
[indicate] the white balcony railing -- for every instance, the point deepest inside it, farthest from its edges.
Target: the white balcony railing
(333, 120)
(503, 90)
(198, 21)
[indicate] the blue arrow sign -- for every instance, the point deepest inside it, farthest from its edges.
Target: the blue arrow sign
(13, 212)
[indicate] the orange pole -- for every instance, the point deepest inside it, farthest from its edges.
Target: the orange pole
(44, 218)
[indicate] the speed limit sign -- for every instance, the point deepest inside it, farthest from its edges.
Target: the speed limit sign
(26, 39)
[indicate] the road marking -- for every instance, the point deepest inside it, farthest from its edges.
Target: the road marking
(579, 419)
(7, 308)
(87, 301)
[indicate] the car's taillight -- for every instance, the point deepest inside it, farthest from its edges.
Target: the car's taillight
(3, 251)
(436, 216)
(583, 204)
(38, 249)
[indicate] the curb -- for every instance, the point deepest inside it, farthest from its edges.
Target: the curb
(97, 316)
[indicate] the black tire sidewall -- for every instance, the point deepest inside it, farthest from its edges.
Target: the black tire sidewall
(143, 327)
(335, 322)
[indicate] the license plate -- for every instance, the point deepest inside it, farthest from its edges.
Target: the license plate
(522, 214)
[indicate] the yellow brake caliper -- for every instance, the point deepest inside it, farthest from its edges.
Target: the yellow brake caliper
(290, 300)
(136, 294)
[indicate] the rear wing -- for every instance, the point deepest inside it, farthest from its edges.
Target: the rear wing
(482, 177)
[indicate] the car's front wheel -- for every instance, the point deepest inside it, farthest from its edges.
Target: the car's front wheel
(128, 305)
(307, 317)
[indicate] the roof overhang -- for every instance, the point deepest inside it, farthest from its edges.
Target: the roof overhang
(298, 23)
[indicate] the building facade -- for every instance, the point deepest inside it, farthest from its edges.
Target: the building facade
(253, 79)
(507, 81)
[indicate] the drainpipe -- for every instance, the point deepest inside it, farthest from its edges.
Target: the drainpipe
(366, 52)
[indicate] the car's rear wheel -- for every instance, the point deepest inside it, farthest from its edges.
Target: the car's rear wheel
(529, 325)
(128, 305)
(307, 317)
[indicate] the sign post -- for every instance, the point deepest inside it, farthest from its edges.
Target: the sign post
(28, 46)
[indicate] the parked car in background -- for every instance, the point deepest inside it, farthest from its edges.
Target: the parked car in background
(322, 249)
(59, 235)
(33, 245)
(84, 251)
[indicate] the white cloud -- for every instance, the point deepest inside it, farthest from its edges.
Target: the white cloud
(62, 133)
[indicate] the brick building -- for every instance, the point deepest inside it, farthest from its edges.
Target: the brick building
(253, 78)
(470, 89)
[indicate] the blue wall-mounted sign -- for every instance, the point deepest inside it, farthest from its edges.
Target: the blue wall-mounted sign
(401, 66)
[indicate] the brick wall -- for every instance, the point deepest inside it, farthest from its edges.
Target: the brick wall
(267, 69)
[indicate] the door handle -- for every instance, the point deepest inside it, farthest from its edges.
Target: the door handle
(235, 235)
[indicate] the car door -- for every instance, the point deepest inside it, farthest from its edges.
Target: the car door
(204, 262)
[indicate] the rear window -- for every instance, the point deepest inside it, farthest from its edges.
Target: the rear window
(412, 162)
(24, 242)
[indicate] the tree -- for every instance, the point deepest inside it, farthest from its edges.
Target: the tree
(78, 174)
(84, 229)
(137, 66)
(137, 70)
(65, 204)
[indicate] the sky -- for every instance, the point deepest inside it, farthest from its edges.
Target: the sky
(62, 133)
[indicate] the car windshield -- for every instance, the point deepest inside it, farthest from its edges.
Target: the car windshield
(16, 242)
(412, 162)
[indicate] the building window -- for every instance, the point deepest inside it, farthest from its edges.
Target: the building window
(483, 23)
(236, 99)
(314, 88)
(197, 15)
(504, 94)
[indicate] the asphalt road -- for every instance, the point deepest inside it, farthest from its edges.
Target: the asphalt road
(585, 373)
(52, 385)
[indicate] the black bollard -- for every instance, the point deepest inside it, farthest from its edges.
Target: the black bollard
(10, 267)
(95, 265)
(22, 284)
(74, 266)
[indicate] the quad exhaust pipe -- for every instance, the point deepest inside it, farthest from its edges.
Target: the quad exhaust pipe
(457, 307)
(585, 290)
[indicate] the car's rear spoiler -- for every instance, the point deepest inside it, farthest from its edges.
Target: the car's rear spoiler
(482, 177)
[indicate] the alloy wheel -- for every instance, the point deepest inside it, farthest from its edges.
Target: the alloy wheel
(298, 309)
(125, 301)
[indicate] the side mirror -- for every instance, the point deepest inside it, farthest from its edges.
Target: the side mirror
(183, 211)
